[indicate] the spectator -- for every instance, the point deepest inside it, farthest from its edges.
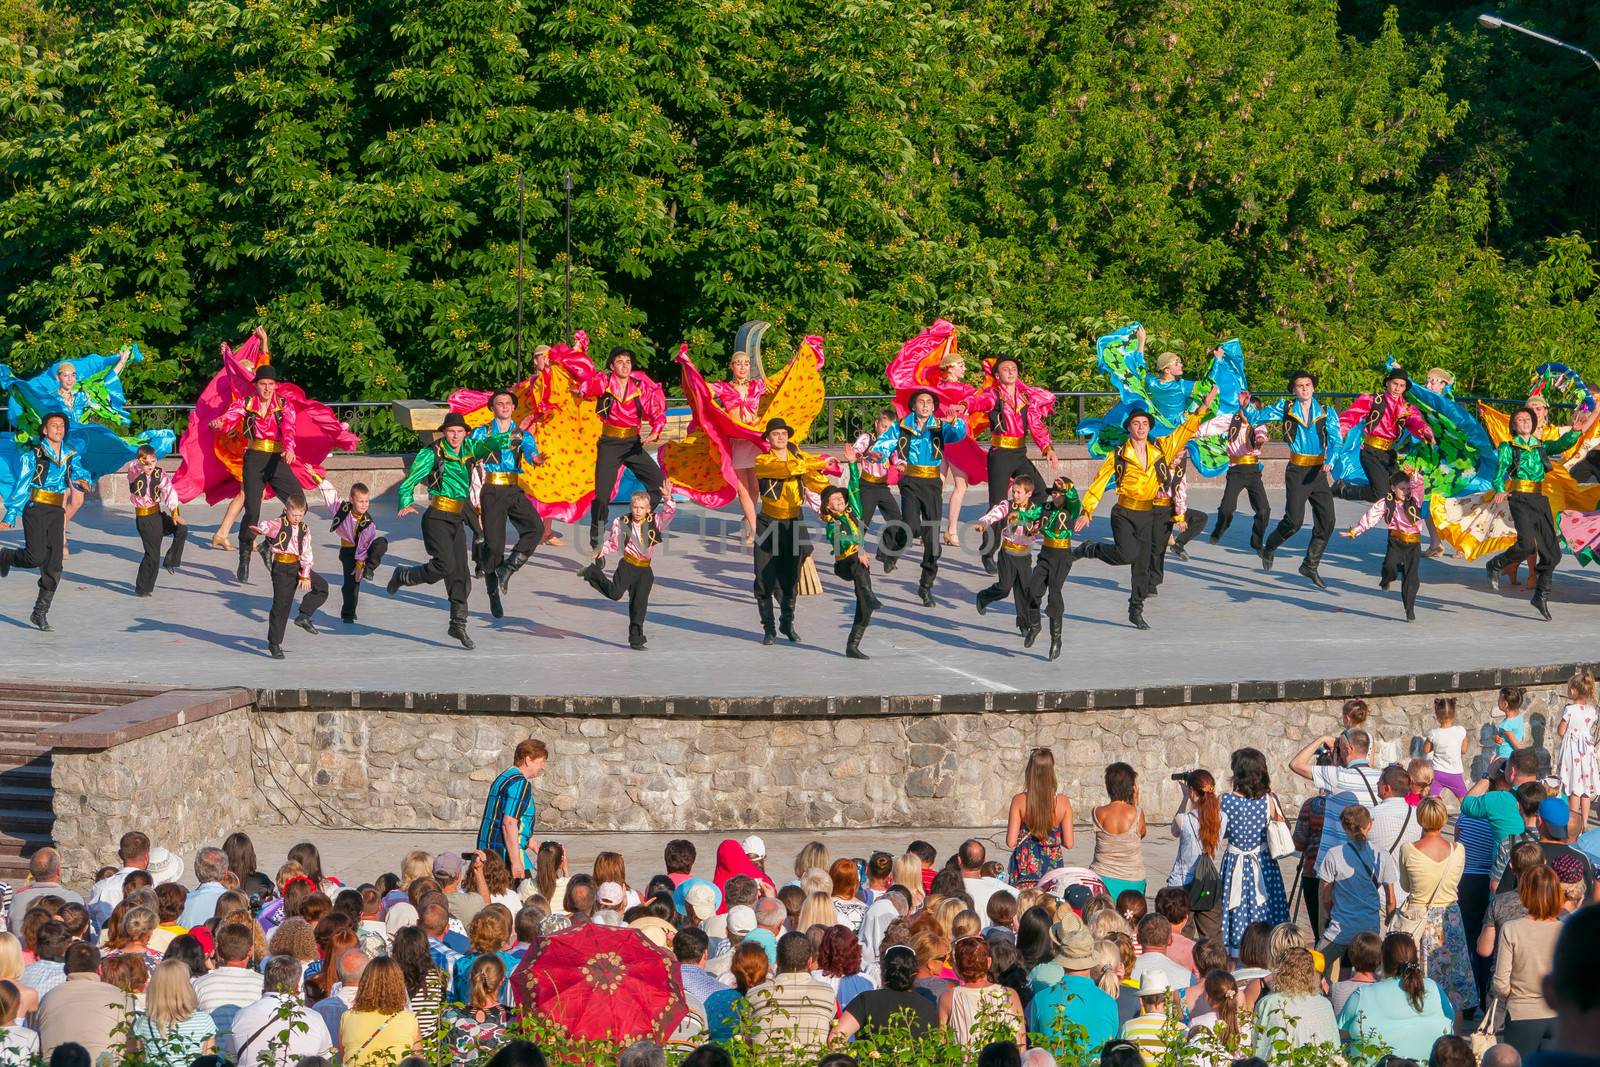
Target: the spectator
(679, 857)
(1172, 904)
(172, 1030)
(133, 851)
(848, 908)
(1499, 806)
(1362, 960)
(690, 947)
(1119, 831)
(724, 1007)
(1353, 875)
(1394, 821)
(521, 1053)
(1452, 1051)
(380, 1026)
(50, 947)
(11, 971)
(1039, 825)
(44, 880)
(1571, 865)
(642, 1054)
(994, 1054)
(839, 964)
(509, 811)
(1074, 1000)
(1504, 1055)
(452, 871)
(349, 965)
(1219, 1035)
(1245, 813)
(1348, 779)
(241, 853)
(189, 950)
(1295, 1011)
(478, 1024)
(1525, 956)
(980, 887)
(933, 963)
(83, 1010)
(279, 1025)
(1529, 795)
(1508, 905)
(210, 864)
(793, 1010)
(1121, 1053)
(1404, 1010)
(1511, 735)
(1155, 934)
(1430, 871)
(425, 982)
(1156, 1011)
(1002, 916)
(170, 901)
(895, 1003)
(1198, 827)
(961, 1007)
(490, 934)
(880, 875)
(704, 1056)
(1573, 995)
(19, 1046)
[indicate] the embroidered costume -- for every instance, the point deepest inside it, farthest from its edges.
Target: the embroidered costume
(1403, 557)
(361, 548)
(155, 509)
(289, 547)
(1016, 413)
(846, 533)
(37, 500)
(501, 500)
(637, 540)
(1019, 528)
(787, 480)
(917, 446)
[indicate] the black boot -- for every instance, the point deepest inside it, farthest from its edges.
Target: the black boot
(873, 603)
(509, 566)
(1136, 616)
(983, 601)
(990, 566)
(243, 573)
(40, 618)
(275, 651)
(1179, 551)
(5, 561)
(786, 623)
(304, 622)
(402, 576)
(769, 625)
(491, 585)
(1055, 638)
(1411, 616)
(458, 630)
(925, 594)
(1266, 559)
(1309, 573)
(1494, 575)
(890, 563)
(1541, 605)
(852, 647)
(1030, 635)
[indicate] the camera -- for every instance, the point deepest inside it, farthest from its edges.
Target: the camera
(1324, 755)
(1181, 776)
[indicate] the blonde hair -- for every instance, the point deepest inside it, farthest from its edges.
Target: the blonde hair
(1432, 814)
(814, 854)
(10, 957)
(945, 912)
(908, 872)
(641, 497)
(1440, 373)
(818, 910)
(288, 873)
(1108, 921)
(1421, 772)
(1285, 936)
(417, 864)
(1107, 967)
(1294, 973)
(1582, 685)
(965, 924)
(382, 988)
(138, 925)
(170, 999)
(1034, 897)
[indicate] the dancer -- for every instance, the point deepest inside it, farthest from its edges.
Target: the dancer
(917, 442)
(1306, 427)
(842, 519)
(1173, 513)
(268, 426)
(638, 534)
(1018, 518)
(873, 493)
(786, 476)
(1243, 442)
(1519, 480)
(1401, 511)
(1059, 511)
(361, 547)
(1382, 419)
(288, 540)
(932, 360)
(38, 501)
(1141, 467)
(502, 500)
(155, 509)
(627, 401)
(1016, 412)
(446, 465)
(740, 396)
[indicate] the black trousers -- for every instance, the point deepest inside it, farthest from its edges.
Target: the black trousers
(262, 469)
(1244, 478)
(1403, 560)
(285, 580)
(1131, 533)
(875, 497)
(1528, 1036)
(1014, 578)
(780, 548)
(352, 589)
(1005, 464)
(636, 582)
(613, 454)
(1475, 896)
(1050, 572)
(1536, 533)
(1379, 465)
(1304, 485)
(1194, 525)
(500, 504)
(43, 541)
(152, 528)
(922, 509)
(445, 539)
(1311, 893)
(852, 570)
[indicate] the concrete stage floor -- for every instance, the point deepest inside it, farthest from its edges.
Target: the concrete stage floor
(1219, 618)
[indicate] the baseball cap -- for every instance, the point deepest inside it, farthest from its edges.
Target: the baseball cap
(701, 899)
(1078, 896)
(610, 895)
(1554, 810)
(741, 919)
(754, 847)
(449, 863)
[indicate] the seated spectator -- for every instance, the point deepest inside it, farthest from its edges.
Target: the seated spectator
(83, 1010)
(1219, 1035)
(18, 1044)
(50, 947)
(380, 1026)
(1155, 934)
(1075, 999)
(896, 1003)
(962, 1007)
(793, 1011)
(1002, 915)
(1295, 1014)
(279, 1024)
(1172, 904)
(172, 1030)
(170, 900)
(849, 908)
(1452, 1051)
(1404, 1010)
(478, 1026)
(839, 964)
(1156, 1013)
(933, 961)
(11, 969)
(349, 965)
(723, 1008)
(233, 984)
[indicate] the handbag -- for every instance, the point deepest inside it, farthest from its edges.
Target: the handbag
(1280, 840)
(1482, 1038)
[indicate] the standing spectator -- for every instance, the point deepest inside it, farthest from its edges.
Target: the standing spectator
(1172, 904)
(723, 1007)
(234, 984)
(1404, 1010)
(1511, 734)
(509, 811)
(1446, 747)
(1525, 956)
(44, 880)
(1119, 831)
(847, 906)
(279, 1024)
(1075, 999)
(171, 898)
(1362, 960)
(1198, 826)
(1348, 779)
(477, 1027)
(896, 1003)
(1476, 836)
(962, 1007)
(1357, 886)
(1571, 992)
(792, 1010)
(979, 886)
(379, 1028)
(1500, 805)
(172, 1030)
(241, 853)
(1430, 871)
(1252, 884)
(880, 876)
(933, 963)
(1571, 865)
(1394, 821)
(83, 1010)
(490, 934)
(1222, 1034)
(1039, 826)
(1575, 762)
(1295, 1012)
(210, 864)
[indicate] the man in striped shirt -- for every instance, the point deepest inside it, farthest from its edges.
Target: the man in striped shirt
(509, 811)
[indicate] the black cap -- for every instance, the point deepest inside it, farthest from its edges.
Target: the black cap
(1396, 375)
(268, 373)
(453, 419)
(1137, 413)
(776, 424)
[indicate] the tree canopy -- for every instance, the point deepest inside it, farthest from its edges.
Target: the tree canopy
(1332, 182)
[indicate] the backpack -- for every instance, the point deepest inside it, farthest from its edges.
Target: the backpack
(1205, 884)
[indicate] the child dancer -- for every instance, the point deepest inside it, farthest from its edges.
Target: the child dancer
(1401, 511)
(150, 490)
(289, 542)
(1021, 518)
(361, 548)
(637, 534)
(1446, 746)
(1058, 511)
(850, 561)
(873, 495)
(1575, 762)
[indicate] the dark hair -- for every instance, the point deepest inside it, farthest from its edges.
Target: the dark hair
(305, 853)
(679, 856)
(1396, 778)
(1525, 761)
(1529, 796)
(880, 865)
(794, 951)
(518, 1053)
(498, 393)
(1365, 952)
(707, 1055)
(947, 883)
(1155, 932)
(1172, 904)
(1121, 1053)
(924, 852)
(1002, 908)
(1297, 375)
(75, 917)
(241, 853)
(52, 940)
(899, 968)
(972, 853)
(1400, 960)
(1119, 782)
(1514, 695)
(1033, 937)
(170, 898)
(1026, 481)
(620, 351)
(740, 889)
(69, 1053)
(1573, 983)
(1452, 1051)
(1255, 946)
(839, 955)
(410, 950)
(690, 944)
(187, 947)
(1250, 777)
(1210, 954)
(81, 958)
(359, 487)
(1000, 1054)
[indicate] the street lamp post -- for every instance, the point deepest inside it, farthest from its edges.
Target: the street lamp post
(1495, 22)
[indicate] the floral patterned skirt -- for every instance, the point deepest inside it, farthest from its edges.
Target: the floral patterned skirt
(1032, 859)
(1447, 959)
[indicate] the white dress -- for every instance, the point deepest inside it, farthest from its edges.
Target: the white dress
(1575, 763)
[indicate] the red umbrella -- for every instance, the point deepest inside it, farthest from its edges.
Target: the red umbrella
(602, 983)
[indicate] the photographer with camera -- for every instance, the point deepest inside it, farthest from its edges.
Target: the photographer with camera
(1337, 765)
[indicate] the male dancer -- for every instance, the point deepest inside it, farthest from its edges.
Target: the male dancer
(850, 561)
(1306, 478)
(1141, 468)
(289, 542)
(268, 426)
(1173, 513)
(917, 444)
(1519, 478)
(873, 493)
(1018, 517)
(638, 535)
(1382, 419)
(447, 466)
(1243, 442)
(150, 490)
(361, 549)
(502, 499)
(1018, 412)
(626, 401)
(1060, 510)
(785, 476)
(37, 501)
